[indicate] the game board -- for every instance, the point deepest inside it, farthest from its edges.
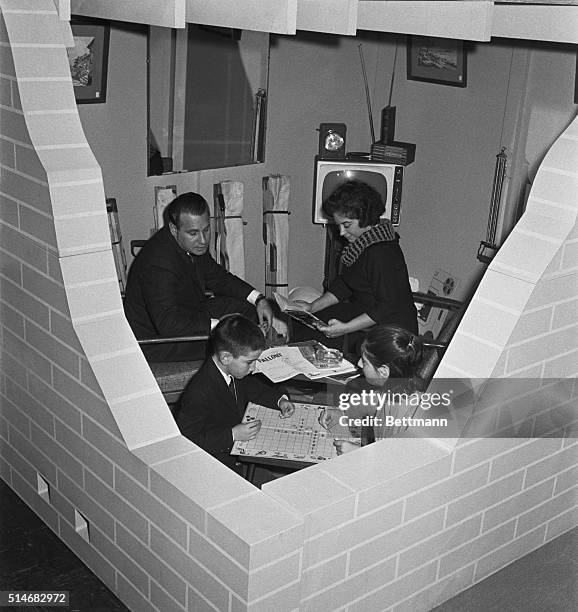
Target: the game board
(298, 438)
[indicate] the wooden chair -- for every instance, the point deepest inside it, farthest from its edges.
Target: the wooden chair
(434, 348)
(171, 376)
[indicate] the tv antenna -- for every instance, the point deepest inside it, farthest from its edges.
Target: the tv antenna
(367, 97)
(392, 75)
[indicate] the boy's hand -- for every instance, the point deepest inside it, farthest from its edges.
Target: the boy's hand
(246, 431)
(287, 408)
(343, 446)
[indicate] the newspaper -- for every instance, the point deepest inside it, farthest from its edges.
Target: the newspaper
(284, 362)
(296, 312)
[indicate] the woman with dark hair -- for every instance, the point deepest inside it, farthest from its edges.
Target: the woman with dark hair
(373, 286)
(390, 357)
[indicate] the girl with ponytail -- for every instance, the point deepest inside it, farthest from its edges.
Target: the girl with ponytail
(390, 358)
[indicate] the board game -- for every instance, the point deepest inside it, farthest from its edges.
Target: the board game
(298, 438)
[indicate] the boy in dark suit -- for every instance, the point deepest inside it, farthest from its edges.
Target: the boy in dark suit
(215, 399)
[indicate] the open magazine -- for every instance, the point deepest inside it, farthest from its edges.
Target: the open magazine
(294, 311)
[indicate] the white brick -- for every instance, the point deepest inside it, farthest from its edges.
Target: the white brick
(522, 456)
(547, 511)
(440, 543)
(445, 491)
(476, 548)
(561, 524)
(518, 504)
(483, 498)
(507, 554)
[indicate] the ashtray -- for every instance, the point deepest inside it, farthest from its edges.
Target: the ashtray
(327, 357)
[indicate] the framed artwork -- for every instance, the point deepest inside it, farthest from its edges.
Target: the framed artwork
(164, 195)
(436, 60)
(88, 59)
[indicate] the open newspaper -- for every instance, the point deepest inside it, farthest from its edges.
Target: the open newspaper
(296, 312)
(284, 362)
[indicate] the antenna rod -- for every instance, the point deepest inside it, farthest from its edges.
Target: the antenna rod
(392, 75)
(367, 94)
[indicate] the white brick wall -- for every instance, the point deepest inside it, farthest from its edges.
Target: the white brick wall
(399, 525)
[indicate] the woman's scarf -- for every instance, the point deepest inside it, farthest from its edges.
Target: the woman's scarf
(377, 233)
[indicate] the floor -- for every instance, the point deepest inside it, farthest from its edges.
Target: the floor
(33, 558)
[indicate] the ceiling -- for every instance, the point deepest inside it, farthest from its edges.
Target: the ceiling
(554, 20)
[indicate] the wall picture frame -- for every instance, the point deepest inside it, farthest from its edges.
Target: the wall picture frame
(437, 60)
(164, 195)
(88, 59)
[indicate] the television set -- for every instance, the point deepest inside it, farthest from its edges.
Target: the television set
(386, 179)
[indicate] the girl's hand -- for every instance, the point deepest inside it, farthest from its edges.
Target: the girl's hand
(344, 446)
(330, 417)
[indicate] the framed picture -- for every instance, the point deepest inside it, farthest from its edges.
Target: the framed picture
(88, 59)
(164, 195)
(436, 60)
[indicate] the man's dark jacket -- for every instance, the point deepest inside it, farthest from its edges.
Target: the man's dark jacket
(208, 412)
(165, 294)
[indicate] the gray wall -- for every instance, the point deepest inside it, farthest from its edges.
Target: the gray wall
(317, 78)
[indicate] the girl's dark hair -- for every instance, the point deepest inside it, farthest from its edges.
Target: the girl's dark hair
(237, 335)
(191, 203)
(393, 346)
(356, 200)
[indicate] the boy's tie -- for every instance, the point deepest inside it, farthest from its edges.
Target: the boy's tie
(233, 389)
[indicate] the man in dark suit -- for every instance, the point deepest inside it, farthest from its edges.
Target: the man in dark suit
(165, 293)
(214, 401)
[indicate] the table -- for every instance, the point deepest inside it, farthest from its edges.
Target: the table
(278, 434)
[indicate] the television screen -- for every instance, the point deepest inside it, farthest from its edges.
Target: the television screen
(334, 179)
(386, 179)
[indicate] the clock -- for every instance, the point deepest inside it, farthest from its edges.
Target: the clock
(332, 140)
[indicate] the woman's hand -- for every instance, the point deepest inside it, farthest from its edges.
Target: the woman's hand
(306, 306)
(334, 328)
(344, 446)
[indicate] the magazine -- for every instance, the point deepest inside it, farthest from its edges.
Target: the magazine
(295, 311)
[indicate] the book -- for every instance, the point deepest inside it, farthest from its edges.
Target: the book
(296, 312)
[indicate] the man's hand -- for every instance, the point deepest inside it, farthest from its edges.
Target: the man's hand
(343, 446)
(265, 314)
(246, 431)
(334, 328)
(287, 408)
